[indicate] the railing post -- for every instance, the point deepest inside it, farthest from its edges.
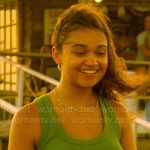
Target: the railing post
(19, 101)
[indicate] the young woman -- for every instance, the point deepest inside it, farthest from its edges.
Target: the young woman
(83, 111)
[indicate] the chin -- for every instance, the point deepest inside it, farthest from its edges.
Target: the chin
(88, 85)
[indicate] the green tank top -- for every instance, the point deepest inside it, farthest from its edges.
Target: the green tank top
(54, 137)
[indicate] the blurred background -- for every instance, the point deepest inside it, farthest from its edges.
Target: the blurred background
(27, 69)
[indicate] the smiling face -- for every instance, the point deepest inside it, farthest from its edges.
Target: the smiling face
(83, 58)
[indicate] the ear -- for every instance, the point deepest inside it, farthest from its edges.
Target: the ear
(56, 55)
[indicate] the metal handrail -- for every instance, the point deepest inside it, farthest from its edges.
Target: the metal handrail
(8, 107)
(137, 62)
(31, 71)
(22, 69)
(25, 54)
(142, 122)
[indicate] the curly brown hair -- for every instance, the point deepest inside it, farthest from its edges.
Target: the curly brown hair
(116, 80)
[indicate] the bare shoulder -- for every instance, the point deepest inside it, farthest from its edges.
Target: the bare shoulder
(122, 113)
(124, 117)
(29, 110)
(28, 117)
(119, 107)
(25, 125)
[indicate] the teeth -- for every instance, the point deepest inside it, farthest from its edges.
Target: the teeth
(89, 71)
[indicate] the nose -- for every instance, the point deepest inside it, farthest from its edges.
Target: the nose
(91, 60)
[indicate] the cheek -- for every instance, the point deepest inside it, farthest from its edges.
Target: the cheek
(70, 64)
(103, 64)
(74, 62)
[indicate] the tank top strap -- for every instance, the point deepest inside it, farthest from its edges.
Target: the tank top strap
(47, 117)
(110, 117)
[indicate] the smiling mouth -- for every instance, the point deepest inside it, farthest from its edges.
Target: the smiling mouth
(89, 71)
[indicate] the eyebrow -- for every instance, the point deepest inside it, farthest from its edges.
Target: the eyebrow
(83, 45)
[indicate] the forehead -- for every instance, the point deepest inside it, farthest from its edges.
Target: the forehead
(86, 36)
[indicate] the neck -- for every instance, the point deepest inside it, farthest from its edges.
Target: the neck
(76, 96)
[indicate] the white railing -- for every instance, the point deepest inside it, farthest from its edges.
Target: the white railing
(12, 109)
(22, 70)
(8, 107)
(133, 62)
(142, 122)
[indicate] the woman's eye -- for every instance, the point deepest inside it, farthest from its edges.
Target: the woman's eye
(79, 52)
(100, 53)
